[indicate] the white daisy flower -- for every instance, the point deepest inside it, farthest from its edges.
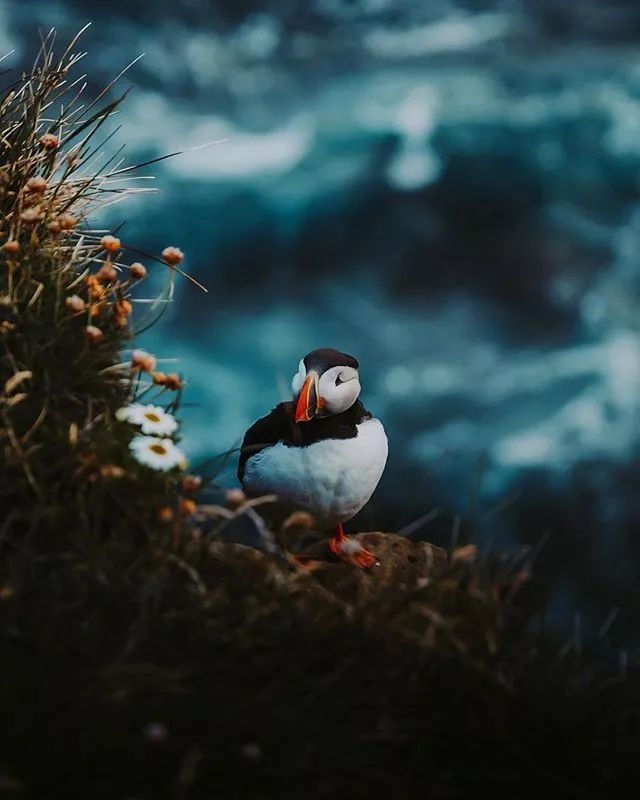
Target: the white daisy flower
(151, 419)
(160, 454)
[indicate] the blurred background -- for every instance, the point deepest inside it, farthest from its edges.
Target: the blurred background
(450, 191)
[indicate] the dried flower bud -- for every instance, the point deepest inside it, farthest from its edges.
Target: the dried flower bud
(299, 519)
(54, 226)
(159, 378)
(12, 247)
(75, 304)
(110, 243)
(191, 483)
(6, 592)
(73, 161)
(467, 553)
(93, 334)
(173, 255)
(50, 141)
(138, 271)
(36, 184)
(140, 359)
(252, 751)
(94, 288)
(121, 322)
(187, 507)
(235, 498)
(31, 215)
(124, 308)
(67, 222)
(165, 514)
(107, 273)
(156, 733)
(111, 471)
(172, 382)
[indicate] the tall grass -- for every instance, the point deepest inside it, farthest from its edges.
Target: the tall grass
(67, 294)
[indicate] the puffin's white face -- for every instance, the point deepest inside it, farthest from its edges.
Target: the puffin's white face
(339, 388)
(326, 394)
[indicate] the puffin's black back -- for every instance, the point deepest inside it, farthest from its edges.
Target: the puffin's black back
(280, 426)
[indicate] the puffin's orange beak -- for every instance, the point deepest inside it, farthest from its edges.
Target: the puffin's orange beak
(308, 400)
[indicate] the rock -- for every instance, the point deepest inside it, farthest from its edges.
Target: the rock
(402, 562)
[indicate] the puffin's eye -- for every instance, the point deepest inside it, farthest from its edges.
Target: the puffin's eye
(339, 380)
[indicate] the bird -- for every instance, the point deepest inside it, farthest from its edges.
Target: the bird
(320, 452)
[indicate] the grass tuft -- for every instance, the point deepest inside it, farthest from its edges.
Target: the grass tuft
(66, 318)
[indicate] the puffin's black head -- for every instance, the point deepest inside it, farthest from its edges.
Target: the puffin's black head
(326, 383)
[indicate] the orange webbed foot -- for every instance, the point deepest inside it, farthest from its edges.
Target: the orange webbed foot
(351, 551)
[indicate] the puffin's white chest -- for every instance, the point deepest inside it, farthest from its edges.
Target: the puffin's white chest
(333, 478)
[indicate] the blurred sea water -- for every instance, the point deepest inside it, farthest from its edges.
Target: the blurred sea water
(449, 191)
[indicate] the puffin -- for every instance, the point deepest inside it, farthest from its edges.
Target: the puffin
(321, 452)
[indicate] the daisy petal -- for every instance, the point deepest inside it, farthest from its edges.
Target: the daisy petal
(151, 419)
(159, 454)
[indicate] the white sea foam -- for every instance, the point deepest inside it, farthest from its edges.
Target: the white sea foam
(460, 32)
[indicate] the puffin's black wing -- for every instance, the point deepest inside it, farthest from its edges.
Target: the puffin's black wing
(277, 426)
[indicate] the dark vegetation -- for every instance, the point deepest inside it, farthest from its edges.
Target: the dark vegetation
(142, 656)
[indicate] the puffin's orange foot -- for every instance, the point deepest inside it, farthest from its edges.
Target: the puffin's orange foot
(351, 551)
